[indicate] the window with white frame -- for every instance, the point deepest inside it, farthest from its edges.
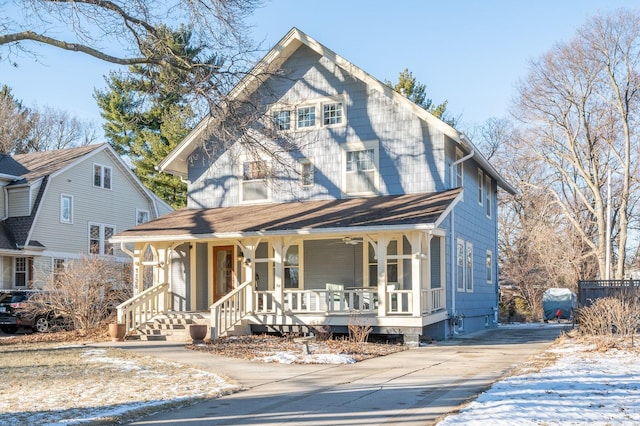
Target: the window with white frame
(393, 267)
(487, 195)
(281, 119)
(142, 216)
(292, 267)
(306, 116)
(332, 113)
(101, 176)
(21, 271)
(66, 208)
(480, 187)
(254, 186)
(99, 235)
(468, 273)
(459, 169)
(306, 172)
(58, 268)
(361, 168)
(489, 267)
(460, 264)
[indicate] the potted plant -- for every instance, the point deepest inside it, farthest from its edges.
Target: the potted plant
(117, 331)
(197, 332)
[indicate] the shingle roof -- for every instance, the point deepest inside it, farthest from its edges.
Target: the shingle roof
(382, 211)
(39, 164)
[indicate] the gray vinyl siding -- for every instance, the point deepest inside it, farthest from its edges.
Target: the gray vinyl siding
(411, 157)
(114, 207)
(19, 201)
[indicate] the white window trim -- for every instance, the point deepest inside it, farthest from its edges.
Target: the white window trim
(101, 251)
(102, 169)
(460, 167)
(241, 182)
(138, 211)
(361, 146)
(480, 187)
(468, 275)
(487, 180)
(300, 265)
(318, 103)
(489, 266)
(26, 271)
(70, 198)
(460, 257)
(304, 162)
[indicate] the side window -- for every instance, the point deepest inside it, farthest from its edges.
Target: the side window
(254, 186)
(101, 176)
(306, 172)
(489, 267)
(99, 235)
(460, 264)
(487, 194)
(66, 208)
(480, 187)
(468, 273)
(361, 168)
(142, 216)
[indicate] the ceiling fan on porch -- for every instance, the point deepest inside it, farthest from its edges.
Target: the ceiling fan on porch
(351, 241)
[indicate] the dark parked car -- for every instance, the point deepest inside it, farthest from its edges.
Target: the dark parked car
(18, 311)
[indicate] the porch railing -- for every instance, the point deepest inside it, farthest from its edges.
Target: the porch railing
(433, 300)
(144, 306)
(229, 311)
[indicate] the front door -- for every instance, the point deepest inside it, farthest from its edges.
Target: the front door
(223, 273)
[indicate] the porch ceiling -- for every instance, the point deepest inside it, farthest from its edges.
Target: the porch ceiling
(326, 216)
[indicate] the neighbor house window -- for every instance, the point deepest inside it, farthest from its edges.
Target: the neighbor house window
(99, 235)
(332, 113)
(281, 119)
(480, 187)
(487, 194)
(142, 216)
(21, 271)
(468, 273)
(460, 264)
(306, 116)
(489, 267)
(361, 168)
(254, 181)
(102, 176)
(58, 268)
(66, 208)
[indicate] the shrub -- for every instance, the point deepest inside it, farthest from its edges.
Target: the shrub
(609, 316)
(359, 329)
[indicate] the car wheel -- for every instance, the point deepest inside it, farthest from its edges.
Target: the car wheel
(9, 329)
(41, 325)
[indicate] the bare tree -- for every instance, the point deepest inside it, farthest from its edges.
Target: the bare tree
(16, 122)
(579, 110)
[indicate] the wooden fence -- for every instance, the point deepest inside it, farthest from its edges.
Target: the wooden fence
(596, 289)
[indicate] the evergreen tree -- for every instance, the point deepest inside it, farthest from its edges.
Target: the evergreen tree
(147, 113)
(416, 92)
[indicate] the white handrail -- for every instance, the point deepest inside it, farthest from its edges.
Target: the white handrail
(144, 306)
(227, 312)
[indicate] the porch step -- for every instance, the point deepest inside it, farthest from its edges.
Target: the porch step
(241, 329)
(171, 327)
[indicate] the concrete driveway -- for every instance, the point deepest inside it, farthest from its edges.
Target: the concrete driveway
(414, 387)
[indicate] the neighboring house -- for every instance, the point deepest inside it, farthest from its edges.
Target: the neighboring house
(392, 221)
(60, 205)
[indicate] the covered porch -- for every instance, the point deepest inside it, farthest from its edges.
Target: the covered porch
(317, 263)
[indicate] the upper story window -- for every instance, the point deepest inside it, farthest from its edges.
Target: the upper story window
(487, 194)
(309, 114)
(281, 119)
(66, 208)
(480, 187)
(253, 186)
(332, 113)
(102, 176)
(306, 116)
(142, 216)
(99, 235)
(306, 172)
(361, 168)
(459, 169)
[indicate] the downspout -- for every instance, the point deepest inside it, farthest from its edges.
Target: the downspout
(454, 253)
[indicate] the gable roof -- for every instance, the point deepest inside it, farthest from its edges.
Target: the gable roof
(383, 213)
(176, 161)
(45, 163)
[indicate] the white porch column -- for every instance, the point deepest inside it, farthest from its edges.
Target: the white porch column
(192, 277)
(382, 275)
(416, 273)
(278, 277)
(249, 273)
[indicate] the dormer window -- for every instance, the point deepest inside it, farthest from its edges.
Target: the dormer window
(309, 114)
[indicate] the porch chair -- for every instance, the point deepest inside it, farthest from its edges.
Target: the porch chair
(335, 295)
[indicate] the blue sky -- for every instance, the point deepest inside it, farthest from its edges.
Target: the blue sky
(468, 52)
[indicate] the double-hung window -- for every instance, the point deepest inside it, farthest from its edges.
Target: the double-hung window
(99, 235)
(480, 187)
(468, 273)
(101, 176)
(254, 186)
(487, 194)
(361, 168)
(460, 264)
(66, 208)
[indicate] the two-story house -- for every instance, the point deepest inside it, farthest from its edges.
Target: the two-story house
(392, 220)
(60, 205)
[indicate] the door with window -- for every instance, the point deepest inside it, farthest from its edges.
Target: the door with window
(223, 271)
